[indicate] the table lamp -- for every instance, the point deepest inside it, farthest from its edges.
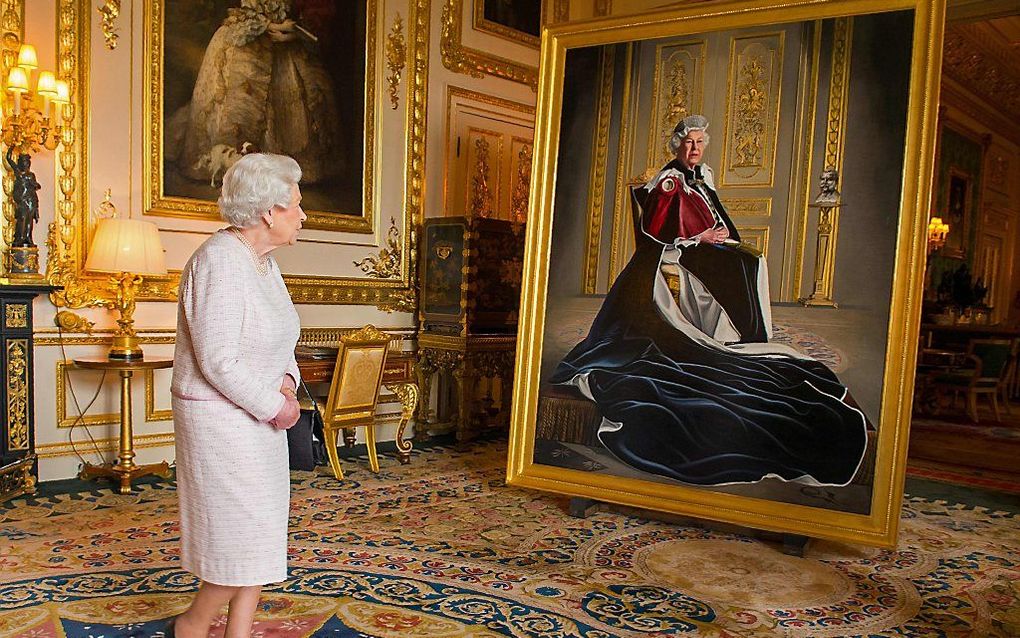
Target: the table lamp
(128, 248)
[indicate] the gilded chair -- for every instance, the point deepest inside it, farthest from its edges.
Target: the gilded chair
(354, 391)
(987, 372)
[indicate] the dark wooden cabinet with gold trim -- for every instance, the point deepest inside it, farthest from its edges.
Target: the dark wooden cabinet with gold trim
(17, 439)
(471, 290)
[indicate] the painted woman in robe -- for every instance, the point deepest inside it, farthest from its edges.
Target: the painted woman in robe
(688, 385)
(262, 82)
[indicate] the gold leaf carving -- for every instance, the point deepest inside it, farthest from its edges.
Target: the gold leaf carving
(461, 59)
(17, 394)
(16, 315)
(386, 264)
(11, 26)
(481, 194)
(676, 105)
(519, 195)
(73, 322)
(396, 58)
(109, 11)
(752, 105)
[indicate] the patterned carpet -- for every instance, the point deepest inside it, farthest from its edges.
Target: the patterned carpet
(442, 548)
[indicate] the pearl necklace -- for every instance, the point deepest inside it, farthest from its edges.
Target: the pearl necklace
(261, 262)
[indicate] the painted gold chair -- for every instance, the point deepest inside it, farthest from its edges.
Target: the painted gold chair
(354, 391)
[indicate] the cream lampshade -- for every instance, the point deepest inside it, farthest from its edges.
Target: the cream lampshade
(128, 248)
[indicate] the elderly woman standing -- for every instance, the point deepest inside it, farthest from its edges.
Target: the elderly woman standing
(234, 395)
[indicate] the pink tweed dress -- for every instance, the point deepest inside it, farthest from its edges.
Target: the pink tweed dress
(236, 332)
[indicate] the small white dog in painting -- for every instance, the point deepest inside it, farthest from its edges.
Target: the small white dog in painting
(219, 159)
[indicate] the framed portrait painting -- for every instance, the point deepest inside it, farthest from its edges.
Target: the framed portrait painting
(228, 77)
(686, 163)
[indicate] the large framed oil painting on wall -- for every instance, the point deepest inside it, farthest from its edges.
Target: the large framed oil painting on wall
(282, 76)
(700, 172)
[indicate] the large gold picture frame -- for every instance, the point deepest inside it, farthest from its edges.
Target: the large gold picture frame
(68, 237)
(877, 523)
(165, 187)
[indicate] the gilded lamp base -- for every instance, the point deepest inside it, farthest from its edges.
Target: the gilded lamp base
(125, 347)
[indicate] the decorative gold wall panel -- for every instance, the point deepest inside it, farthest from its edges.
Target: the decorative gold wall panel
(18, 394)
(520, 181)
(752, 110)
(484, 150)
(508, 128)
(748, 206)
(462, 59)
(839, 86)
(69, 234)
(396, 58)
(16, 315)
(67, 420)
(622, 223)
(151, 413)
(677, 91)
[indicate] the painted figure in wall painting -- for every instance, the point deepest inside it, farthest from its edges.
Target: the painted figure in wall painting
(686, 381)
(261, 86)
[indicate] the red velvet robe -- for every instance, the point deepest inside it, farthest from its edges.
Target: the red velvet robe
(671, 212)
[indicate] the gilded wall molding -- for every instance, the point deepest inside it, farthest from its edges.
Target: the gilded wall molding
(64, 420)
(748, 206)
(480, 202)
(151, 413)
(12, 28)
(496, 29)
(396, 58)
(386, 263)
(109, 11)
(520, 194)
(462, 59)
(599, 166)
(839, 87)
(621, 216)
(753, 95)
(18, 389)
(560, 10)
(68, 234)
(677, 91)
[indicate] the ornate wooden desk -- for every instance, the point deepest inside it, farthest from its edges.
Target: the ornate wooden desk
(125, 468)
(398, 378)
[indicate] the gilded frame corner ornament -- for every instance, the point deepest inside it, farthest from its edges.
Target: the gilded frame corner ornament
(879, 526)
(68, 234)
(463, 59)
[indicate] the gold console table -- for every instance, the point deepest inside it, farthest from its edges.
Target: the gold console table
(125, 469)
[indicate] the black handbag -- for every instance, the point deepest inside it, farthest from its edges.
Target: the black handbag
(305, 446)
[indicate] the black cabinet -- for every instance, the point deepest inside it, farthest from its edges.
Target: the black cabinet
(17, 391)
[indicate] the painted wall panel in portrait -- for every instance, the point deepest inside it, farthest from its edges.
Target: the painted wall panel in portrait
(280, 76)
(688, 387)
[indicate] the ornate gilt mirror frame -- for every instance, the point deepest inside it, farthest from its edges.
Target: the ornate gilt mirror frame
(878, 525)
(69, 234)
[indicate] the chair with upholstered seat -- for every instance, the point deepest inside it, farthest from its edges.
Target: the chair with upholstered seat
(987, 371)
(354, 391)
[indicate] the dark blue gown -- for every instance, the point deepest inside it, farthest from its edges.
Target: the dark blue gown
(706, 415)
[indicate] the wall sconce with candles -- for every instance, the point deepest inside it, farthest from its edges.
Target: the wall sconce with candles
(26, 128)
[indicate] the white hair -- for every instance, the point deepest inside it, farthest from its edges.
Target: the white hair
(684, 128)
(254, 185)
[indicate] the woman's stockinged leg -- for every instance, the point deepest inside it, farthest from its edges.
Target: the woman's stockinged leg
(242, 612)
(210, 599)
